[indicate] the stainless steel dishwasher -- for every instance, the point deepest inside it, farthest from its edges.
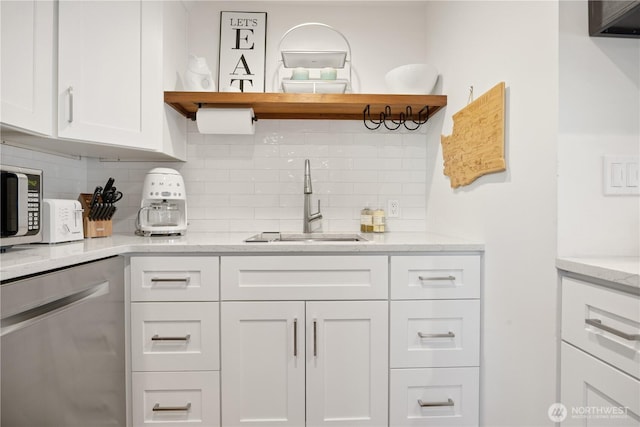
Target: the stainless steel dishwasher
(63, 348)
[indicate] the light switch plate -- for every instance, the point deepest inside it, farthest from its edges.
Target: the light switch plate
(620, 175)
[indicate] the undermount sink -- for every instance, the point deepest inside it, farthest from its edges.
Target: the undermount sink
(268, 237)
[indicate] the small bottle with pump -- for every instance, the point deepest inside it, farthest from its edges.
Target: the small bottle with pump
(366, 220)
(378, 221)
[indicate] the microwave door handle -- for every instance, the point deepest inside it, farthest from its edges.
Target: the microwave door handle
(23, 204)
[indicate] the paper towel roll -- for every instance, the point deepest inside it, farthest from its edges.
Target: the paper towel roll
(226, 121)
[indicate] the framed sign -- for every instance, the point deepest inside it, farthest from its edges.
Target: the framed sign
(243, 37)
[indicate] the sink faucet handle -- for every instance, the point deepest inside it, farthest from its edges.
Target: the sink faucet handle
(316, 216)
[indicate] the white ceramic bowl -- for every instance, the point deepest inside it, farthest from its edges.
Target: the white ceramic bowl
(412, 79)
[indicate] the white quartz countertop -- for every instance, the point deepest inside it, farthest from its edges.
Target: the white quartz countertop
(23, 260)
(621, 270)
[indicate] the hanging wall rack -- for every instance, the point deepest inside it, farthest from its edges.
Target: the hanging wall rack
(405, 118)
(396, 110)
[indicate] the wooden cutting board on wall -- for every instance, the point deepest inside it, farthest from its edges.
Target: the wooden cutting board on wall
(476, 144)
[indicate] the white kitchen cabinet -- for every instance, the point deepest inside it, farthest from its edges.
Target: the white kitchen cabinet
(174, 278)
(28, 37)
(435, 333)
(170, 336)
(269, 348)
(591, 316)
(114, 61)
(347, 363)
(106, 80)
(175, 340)
(293, 277)
(435, 340)
(600, 354)
(434, 397)
(263, 363)
(176, 399)
(435, 277)
(596, 393)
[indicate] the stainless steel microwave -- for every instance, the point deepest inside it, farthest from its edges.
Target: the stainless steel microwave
(20, 205)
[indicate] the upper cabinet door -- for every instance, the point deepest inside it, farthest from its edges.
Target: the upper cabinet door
(106, 85)
(27, 65)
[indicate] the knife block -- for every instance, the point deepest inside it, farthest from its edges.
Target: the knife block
(93, 228)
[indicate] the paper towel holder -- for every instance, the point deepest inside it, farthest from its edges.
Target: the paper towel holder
(193, 118)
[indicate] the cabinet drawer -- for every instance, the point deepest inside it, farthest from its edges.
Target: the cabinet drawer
(181, 336)
(588, 384)
(435, 277)
(174, 278)
(188, 399)
(303, 277)
(594, 317)
(434, 397)
(435, 333)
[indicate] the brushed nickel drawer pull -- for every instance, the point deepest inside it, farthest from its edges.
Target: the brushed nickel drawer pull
(597, 323)
(159, 338)
(422, 404)
(295, 337)
(424, 278)
(447, 335)
(171, 279)
(158, 408)
(315, 338)
(70, 92)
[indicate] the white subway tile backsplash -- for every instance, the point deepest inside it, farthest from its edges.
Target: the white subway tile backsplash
(254, 175)
(64, 178)
(255, 182)
(253, 200)
(229, 187)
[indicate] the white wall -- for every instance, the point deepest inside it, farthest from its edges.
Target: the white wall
(599, 115)
(513, 212)
(382, 35)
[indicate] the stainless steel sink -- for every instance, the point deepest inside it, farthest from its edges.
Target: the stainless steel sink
(268, 237)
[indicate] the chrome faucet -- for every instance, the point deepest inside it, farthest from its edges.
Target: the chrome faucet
(308, 191)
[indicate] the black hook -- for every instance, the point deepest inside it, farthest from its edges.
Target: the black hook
(366, 116)
(404, 118)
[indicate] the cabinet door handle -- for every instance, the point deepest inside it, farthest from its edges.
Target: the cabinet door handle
(315, 338)
(295, 337)
(424, 278)
(158, 408)
(597, 323)
(422, 404)
(70, 94)
(447, 335)
(159, 338)
(170, 279)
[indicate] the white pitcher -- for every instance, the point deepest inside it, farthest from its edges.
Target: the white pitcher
(198, 76)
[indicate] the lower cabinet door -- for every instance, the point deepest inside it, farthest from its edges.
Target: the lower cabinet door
(347, 363)
(176, 399)
(263, 364)
(596, 394)
(436, 397)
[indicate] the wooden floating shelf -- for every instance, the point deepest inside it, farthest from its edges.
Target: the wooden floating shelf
(315, 106)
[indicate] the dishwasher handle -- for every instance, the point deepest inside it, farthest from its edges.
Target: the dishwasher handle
(25, 318)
